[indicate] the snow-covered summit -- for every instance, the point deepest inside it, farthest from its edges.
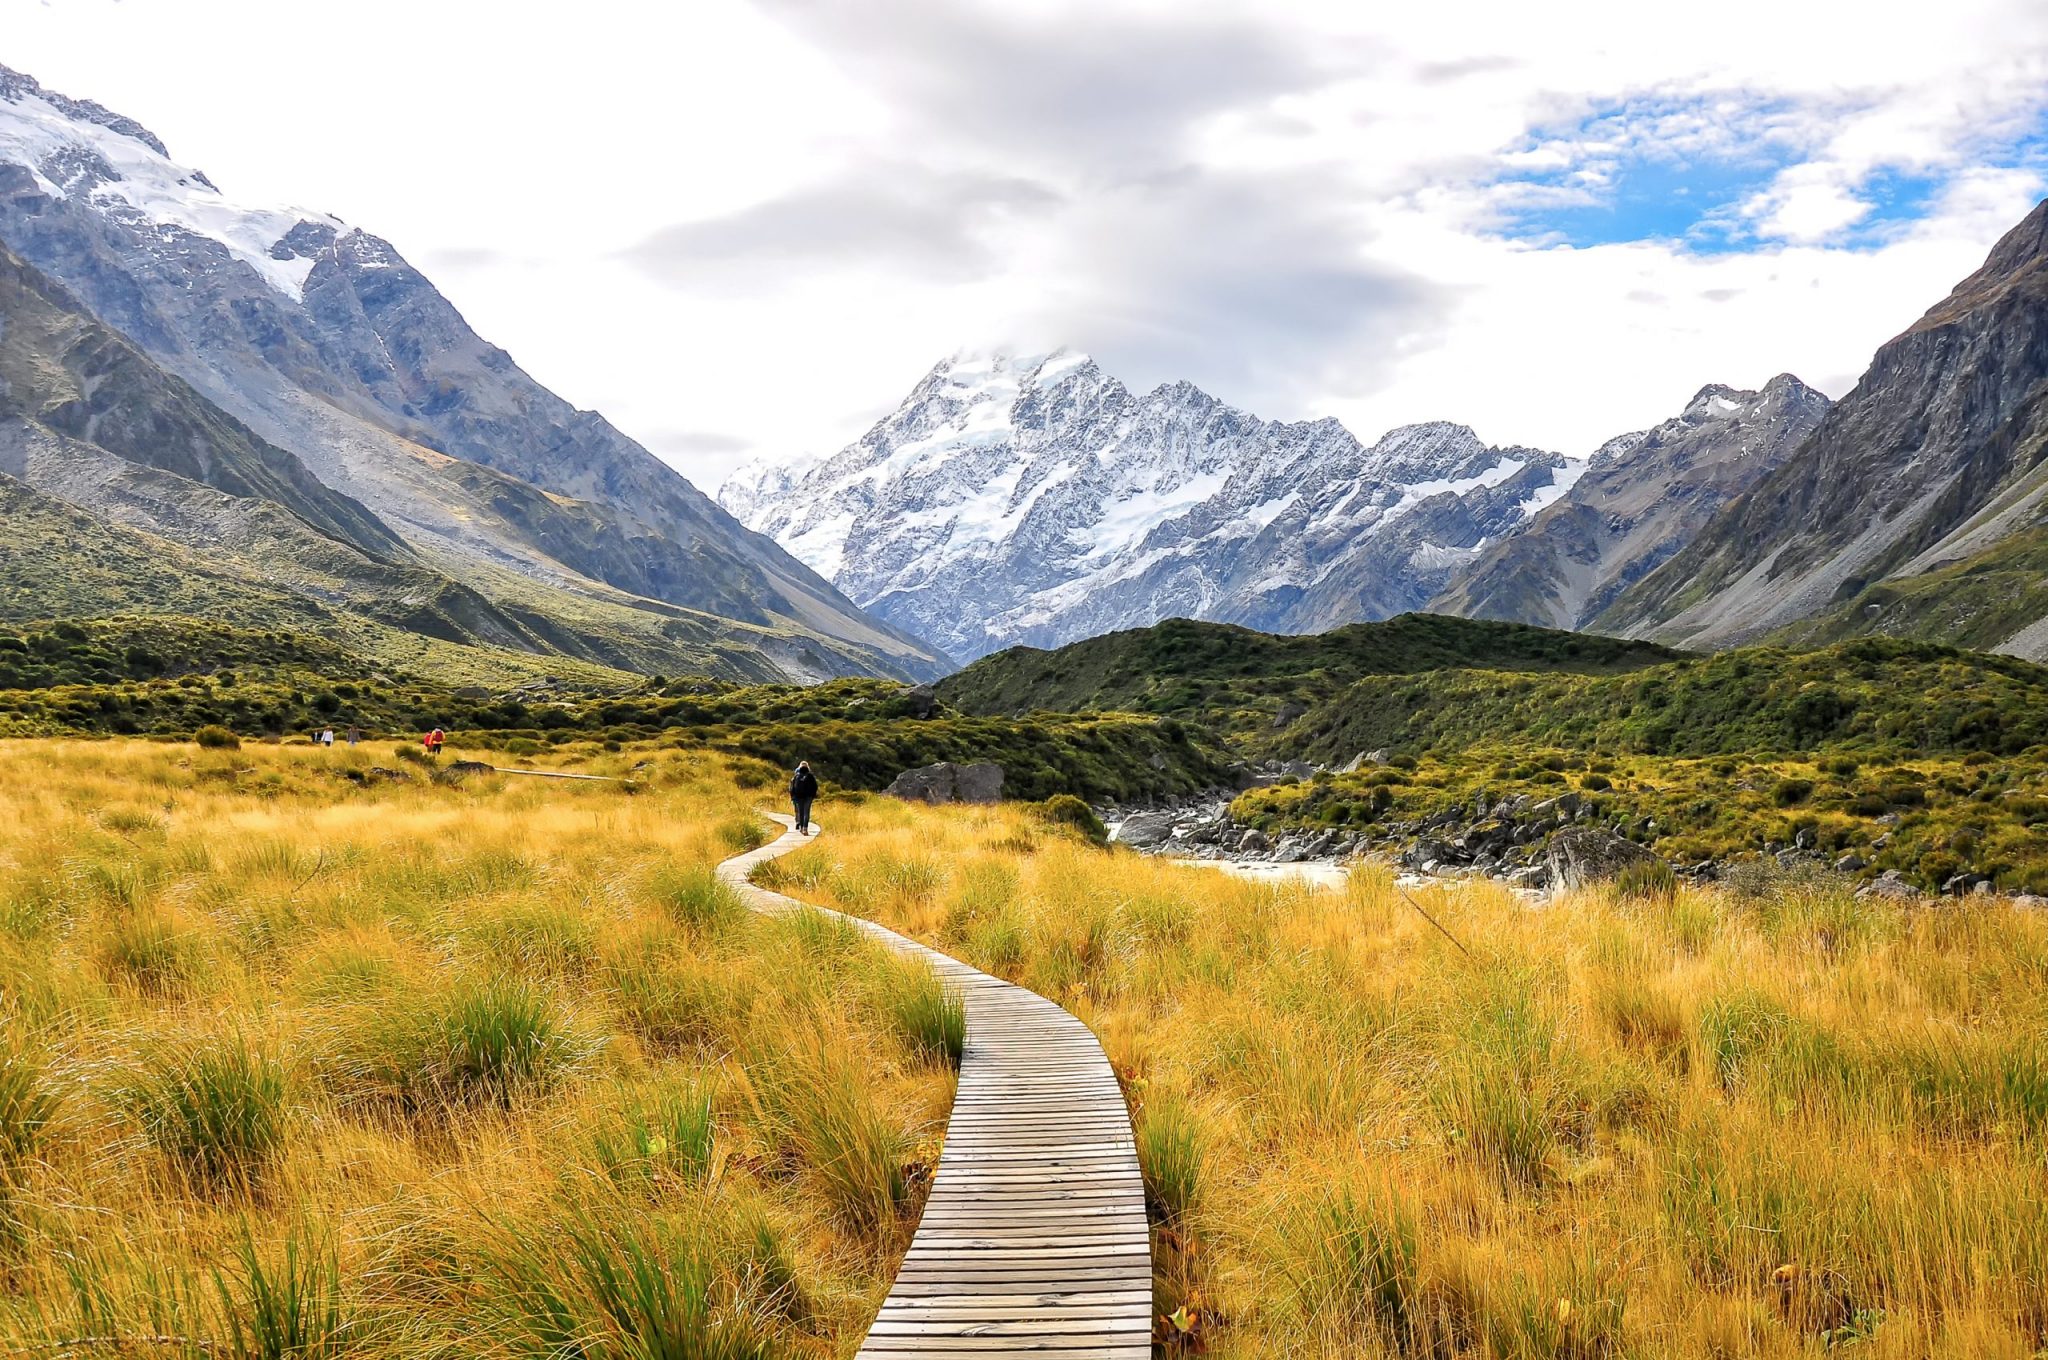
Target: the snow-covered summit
(73, 147)
(1034, 498)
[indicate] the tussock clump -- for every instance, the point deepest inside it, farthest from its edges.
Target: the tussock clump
(1170, 1152)
(619, 1286)
(666, 1138)
(288, 1308)
(694, 897)
(807, 1096)
(154, 952)
(483, 1042)
(216, 1108)
(929, 1017)
(27, 1104)
(741, 834)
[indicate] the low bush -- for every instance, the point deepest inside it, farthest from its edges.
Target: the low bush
(1064, 809)
(214, 737)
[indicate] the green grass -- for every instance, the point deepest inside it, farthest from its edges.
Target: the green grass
(217, 1109)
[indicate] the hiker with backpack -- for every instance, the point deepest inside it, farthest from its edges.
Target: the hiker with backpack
(803, 790)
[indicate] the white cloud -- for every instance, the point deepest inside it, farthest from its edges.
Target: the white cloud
(748, 228)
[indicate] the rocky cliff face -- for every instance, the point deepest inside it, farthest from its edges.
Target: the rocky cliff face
(1929, 473)
(1643, 498)
(327, 345)
(1034, 499)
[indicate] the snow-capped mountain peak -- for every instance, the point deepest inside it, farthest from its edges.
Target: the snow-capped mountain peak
(1019, 497)
(73, 147)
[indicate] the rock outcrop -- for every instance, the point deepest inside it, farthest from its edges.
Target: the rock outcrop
(945, 782)
(1580, 856)
(1916, 507)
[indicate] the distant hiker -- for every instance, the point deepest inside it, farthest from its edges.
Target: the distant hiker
(327, 736)
(355, 734)
(803, 789)
(434, 741)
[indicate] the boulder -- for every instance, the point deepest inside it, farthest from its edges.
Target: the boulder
(1580, 855)
(1891, 884)
(921, 701)
(1255, 842)
(1850, 863)
(945, 782)
(1145, 830)
(1361, 760)
(1534, 877)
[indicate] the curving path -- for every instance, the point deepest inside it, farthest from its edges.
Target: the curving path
(1033, 1238)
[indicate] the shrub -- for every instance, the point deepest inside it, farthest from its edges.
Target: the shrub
(1064, 809)
(1791, 792)
(1596, 783)
(214, 737)
(217, 1110)
(523, 746)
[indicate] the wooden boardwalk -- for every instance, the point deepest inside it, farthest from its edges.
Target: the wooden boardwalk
(1033, 1238)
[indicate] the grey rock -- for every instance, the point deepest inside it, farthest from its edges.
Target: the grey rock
(1579, 856)
(1890, 884)
(1850, 863)
(946, 782)
(1255, 842)
(1530, 876)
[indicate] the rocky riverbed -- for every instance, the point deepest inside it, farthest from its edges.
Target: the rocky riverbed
(1528, 843)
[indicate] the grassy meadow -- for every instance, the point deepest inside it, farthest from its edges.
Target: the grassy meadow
(1702, 1123)
(295, 1064)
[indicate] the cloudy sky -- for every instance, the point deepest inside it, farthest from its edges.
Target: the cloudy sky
(746, 229)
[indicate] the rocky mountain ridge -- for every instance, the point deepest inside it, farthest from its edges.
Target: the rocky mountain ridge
(324, 343)
(1035, 499)
(1918, 506)
(1643, 497)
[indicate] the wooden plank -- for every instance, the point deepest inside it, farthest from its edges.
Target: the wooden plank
(1033, 1240)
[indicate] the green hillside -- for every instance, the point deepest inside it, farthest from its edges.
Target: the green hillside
(1872, 695)
(1240, 685)
(169, 677)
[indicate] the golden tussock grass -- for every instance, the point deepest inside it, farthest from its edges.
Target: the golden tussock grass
(1673, 1124)
(292, 1065)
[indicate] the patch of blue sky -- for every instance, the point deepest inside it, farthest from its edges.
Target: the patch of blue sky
(1668, 171)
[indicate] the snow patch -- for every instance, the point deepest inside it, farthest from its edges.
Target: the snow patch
(147, 188)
